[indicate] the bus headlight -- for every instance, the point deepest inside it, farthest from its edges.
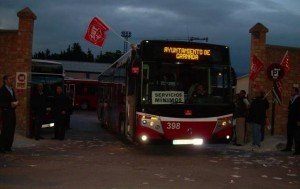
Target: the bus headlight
(222, 123)
(144, 138)
(151, 122)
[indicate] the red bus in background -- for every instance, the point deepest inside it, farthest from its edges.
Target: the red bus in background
(83, 93)
(149, 94)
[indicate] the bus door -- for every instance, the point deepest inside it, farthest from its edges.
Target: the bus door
(70, 91)
(145, 82)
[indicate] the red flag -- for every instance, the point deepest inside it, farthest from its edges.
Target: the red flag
(96, 32)
(285, 62)
(277, 91)
(256, 66)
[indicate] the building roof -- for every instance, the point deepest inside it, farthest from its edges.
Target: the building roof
(88, 67)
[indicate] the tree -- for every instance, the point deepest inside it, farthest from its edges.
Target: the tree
(74, 52)
(90, 56)
(109, 57)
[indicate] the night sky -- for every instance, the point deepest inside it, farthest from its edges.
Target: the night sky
(227, 22)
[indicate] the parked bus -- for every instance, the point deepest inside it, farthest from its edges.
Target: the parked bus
(150, 93)
(83, 93)
(50, 74)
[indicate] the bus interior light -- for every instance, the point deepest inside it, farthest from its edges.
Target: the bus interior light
(144, 122)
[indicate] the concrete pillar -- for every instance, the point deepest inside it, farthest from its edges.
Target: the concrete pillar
(22, 63)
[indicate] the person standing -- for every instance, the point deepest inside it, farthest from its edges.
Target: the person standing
(293, 118)
(198, 94)
(60, 108)
(257, 117)
(240, 113)
(38, 109)
(69, 111)
(8, 103)
(263, 126)
(297, 132)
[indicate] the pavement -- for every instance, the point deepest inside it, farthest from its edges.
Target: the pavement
(21, 141)
(270, 144)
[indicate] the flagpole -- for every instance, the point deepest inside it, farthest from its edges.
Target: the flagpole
(118, 35)
(273, 111)
(266, 95)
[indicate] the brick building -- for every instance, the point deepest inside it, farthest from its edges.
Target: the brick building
(15, 57)
(270, 54)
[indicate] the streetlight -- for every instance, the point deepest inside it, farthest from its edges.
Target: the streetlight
(126, 35)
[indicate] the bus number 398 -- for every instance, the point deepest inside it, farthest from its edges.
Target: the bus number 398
(173, 125)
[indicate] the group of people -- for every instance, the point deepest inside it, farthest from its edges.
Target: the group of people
(61, 108)
(251, 117)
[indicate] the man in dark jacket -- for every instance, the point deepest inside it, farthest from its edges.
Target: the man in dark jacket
(8, 103)
(293, 120)
(257, 117)
(61, 106)
(38, 108)
(240, 113)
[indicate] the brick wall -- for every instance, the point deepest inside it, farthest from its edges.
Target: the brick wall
(270, 54)
(15, 56)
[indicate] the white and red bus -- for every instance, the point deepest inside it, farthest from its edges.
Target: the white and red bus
(83, 93)
(149, 93)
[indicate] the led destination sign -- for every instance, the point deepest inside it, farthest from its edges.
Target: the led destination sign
(186, 53)
(183, 52)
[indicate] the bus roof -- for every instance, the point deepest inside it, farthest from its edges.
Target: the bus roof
(121, 60)
(84, 80)
(45, 61)
(182, 42)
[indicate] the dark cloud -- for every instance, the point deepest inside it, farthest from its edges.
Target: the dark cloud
(62, 22)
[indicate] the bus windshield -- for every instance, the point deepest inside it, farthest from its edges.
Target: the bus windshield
(182, 83)
(49, 82)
